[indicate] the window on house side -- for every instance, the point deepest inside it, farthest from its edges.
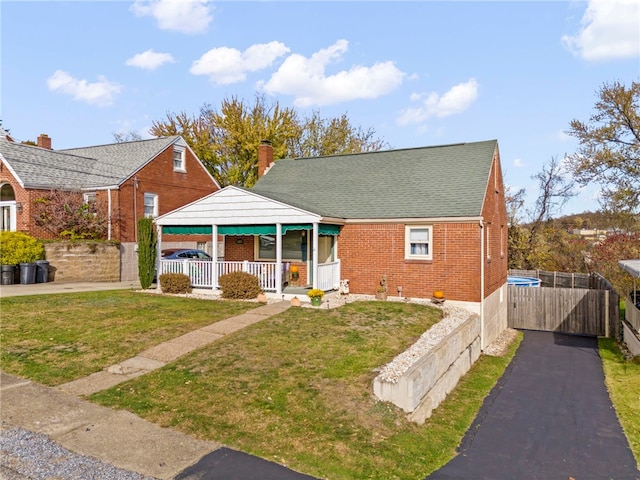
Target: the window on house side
(418, 242)
(488, 227)
(89, 197)
(150, 205)
(178, 159)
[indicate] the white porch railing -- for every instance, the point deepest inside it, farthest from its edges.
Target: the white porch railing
(632, 314)
(329, 276)
(202, 273)
(199, 271)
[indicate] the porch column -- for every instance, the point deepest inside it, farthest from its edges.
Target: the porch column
(214, 255)
(158, 254)
(278, 258)
(314, 253)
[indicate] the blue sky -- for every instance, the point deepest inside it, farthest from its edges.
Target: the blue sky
(418, 73)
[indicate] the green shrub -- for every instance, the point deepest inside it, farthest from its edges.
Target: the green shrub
(239, 285)
(175, 283)
(146, 252)
(18, 247)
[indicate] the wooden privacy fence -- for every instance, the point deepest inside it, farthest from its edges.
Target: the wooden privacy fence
(578, 303)
(564, 310)
(557, 279)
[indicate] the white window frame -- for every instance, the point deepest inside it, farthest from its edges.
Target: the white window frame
(407, 242)
(8, 211)
(150, 199)
(89, 197)
(179, 159)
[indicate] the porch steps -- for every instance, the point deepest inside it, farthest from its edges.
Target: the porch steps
(159, 355)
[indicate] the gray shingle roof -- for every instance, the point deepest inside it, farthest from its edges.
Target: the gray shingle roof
(427, 182)
(91, 167)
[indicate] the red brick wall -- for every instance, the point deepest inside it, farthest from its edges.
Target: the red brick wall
(370, 251)
(237, 252)
(174, 189)
(22, 197)
(495, 218)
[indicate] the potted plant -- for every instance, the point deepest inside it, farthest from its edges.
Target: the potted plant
(294, 272)
(381, 291)
(315, 295)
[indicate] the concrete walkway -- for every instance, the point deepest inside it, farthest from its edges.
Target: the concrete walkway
(121, 438)
(19, 290)
(160, 355)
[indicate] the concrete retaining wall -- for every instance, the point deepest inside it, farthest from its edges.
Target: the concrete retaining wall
(83, 262)
(428, 381)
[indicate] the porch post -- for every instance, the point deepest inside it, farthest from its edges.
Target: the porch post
(214, 255)
(158, 254)
(278, 258)
(314, 254)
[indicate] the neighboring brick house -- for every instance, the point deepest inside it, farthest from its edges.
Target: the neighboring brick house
(424, 218)
(128, 180)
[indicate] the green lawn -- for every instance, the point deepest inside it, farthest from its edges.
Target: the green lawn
(54, 339)
(297, 389)
(622, 377)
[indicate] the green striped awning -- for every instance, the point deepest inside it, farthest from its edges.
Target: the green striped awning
(323, 229)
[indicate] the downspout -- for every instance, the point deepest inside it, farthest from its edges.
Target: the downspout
(109, 214)
(135, 209)
(482, 335)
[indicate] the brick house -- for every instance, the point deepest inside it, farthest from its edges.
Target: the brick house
(127, 180)
(423, 218)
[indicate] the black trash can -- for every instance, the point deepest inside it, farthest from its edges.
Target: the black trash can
(42, 271)
(27, 273)
(8, 274)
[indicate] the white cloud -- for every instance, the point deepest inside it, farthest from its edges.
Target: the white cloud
(306, 80)
(610, 29)
(101, 93)
(518, 163)
(149, 60)
(184, 16)
(456, 100)
(226, 65)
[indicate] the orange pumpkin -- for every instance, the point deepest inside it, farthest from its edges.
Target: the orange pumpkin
(438, 294)
(294, 269)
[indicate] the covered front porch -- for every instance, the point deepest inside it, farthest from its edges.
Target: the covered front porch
(280, 244)
(205, 274)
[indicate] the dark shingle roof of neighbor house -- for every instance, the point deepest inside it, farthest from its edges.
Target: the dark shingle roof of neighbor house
(427, 182)
(90, 167)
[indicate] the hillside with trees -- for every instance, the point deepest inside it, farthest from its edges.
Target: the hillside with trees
(609, 155)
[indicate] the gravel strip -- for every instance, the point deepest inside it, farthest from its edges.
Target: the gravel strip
(394, 370)
(34, 456)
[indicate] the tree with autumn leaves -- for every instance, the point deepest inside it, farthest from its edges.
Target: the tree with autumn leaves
(227, 140)
(609, 155)
(609, 148)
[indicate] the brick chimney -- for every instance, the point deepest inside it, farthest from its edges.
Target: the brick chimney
(265, 157)
(44, 141)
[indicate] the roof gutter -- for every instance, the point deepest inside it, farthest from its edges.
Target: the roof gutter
(415, 220)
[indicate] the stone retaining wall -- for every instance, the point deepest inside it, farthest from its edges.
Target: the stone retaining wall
(432, 377)
(83, 262)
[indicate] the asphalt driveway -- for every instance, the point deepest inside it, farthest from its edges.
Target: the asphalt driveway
(549, 417)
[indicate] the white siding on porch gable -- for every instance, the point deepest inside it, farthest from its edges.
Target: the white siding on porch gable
(234, 206)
